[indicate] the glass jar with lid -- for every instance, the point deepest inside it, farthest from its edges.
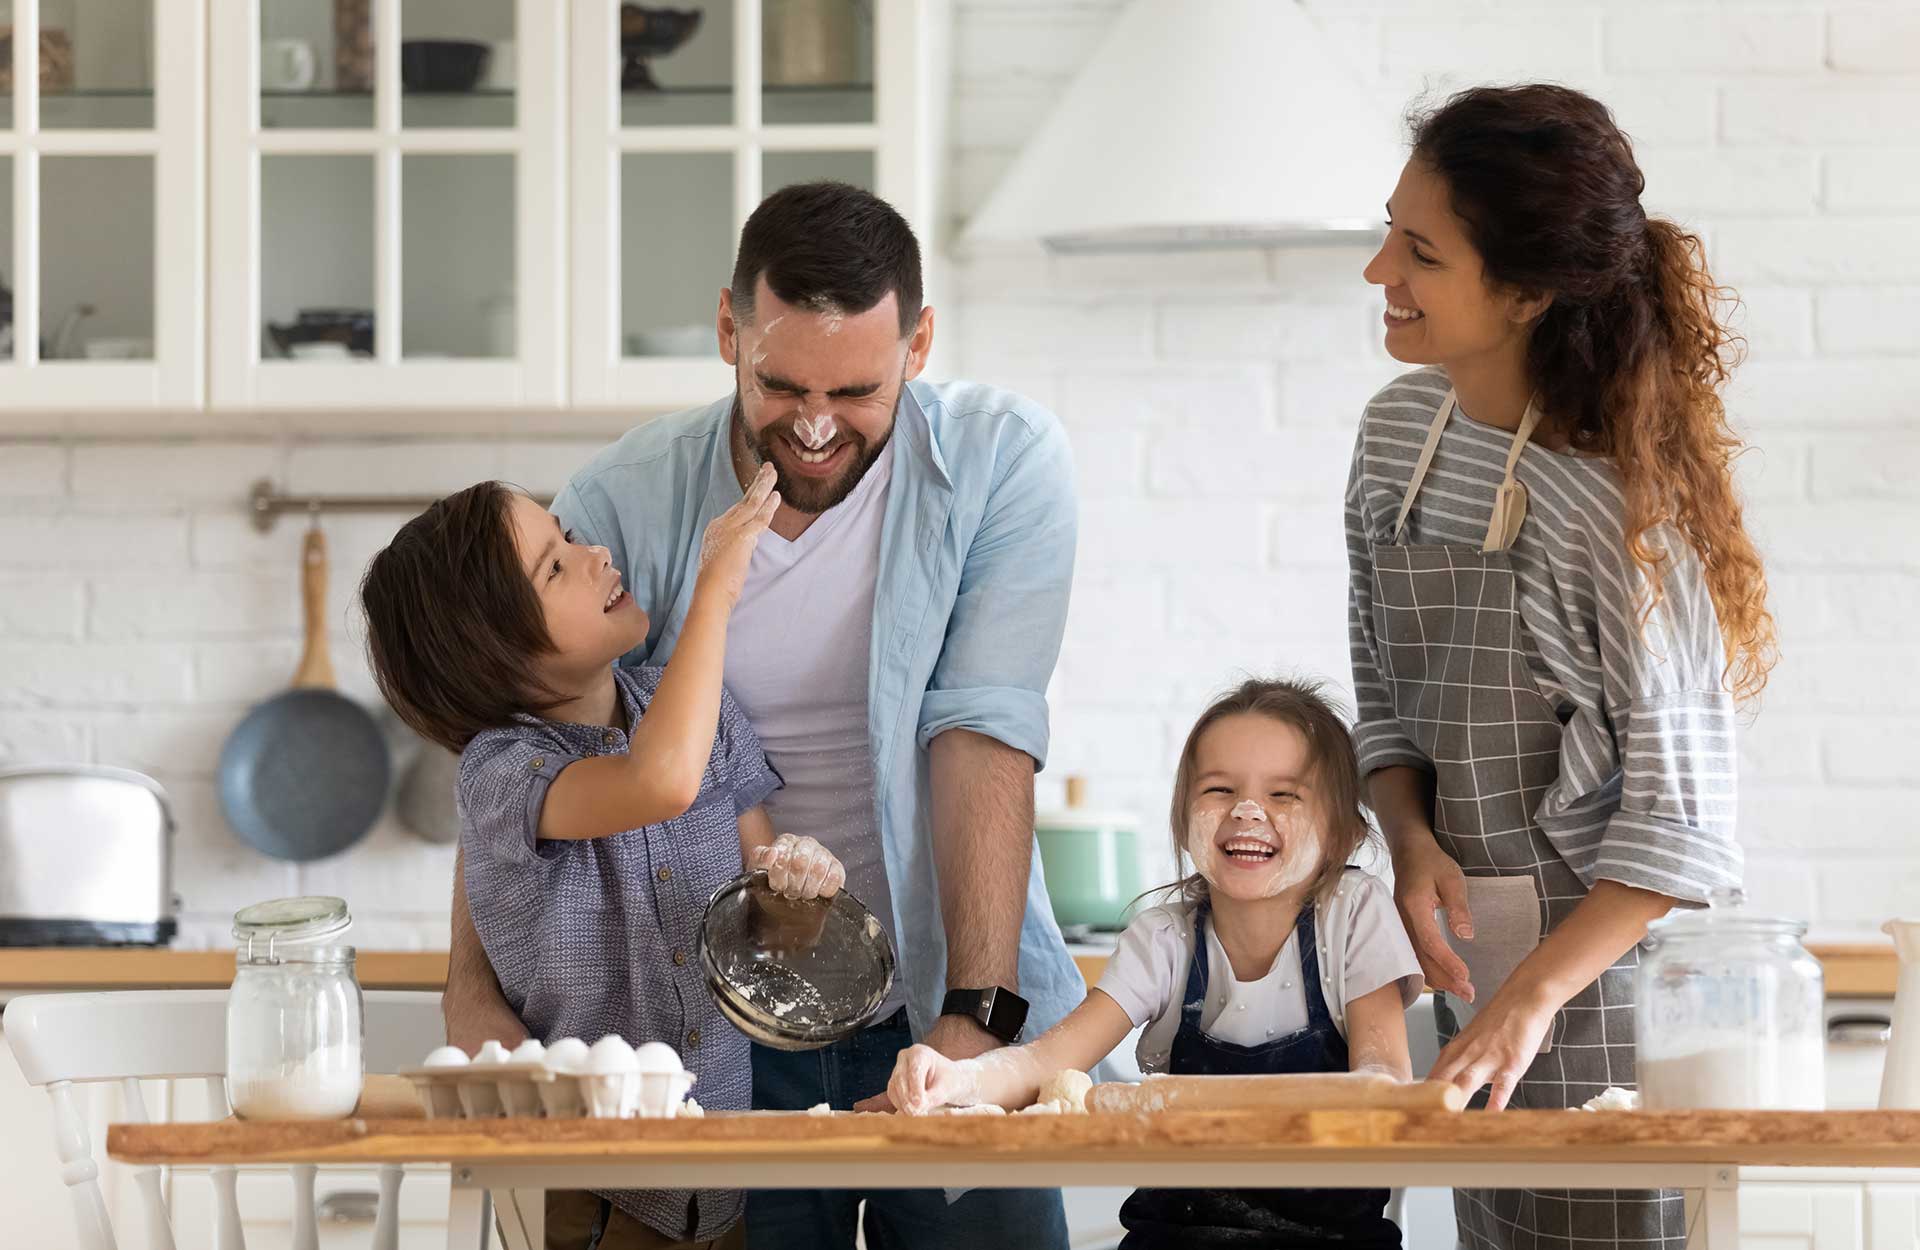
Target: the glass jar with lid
(294, 1013)
(1730, 1012)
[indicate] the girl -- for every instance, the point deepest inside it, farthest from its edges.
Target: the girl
(1272, 956)
(600, 806)
(1554, 604)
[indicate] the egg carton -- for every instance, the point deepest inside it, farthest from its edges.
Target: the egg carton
(490, 1090)
(495, 1085)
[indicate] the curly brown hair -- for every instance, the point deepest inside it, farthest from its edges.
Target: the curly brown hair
(1633, 349)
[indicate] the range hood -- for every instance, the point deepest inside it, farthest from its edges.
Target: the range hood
(1226, 123)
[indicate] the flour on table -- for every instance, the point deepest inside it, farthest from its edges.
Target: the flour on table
(983, 1108)
(1058, 1106)
(820, 1108)
(1613, 1099)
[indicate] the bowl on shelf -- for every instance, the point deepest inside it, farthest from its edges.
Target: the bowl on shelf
(442, 64)
(351, 328)
(645, 33)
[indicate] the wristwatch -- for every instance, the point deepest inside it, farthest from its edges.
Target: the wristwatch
(999, 1010)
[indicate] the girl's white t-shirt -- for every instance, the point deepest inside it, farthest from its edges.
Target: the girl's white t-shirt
(1147, 975)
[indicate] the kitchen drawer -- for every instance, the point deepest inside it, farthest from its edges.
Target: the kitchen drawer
(1893, 1216)
(266, 1207)
(1802, 1217)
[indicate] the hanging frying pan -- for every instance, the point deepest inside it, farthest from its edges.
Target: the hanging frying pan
(304, 776)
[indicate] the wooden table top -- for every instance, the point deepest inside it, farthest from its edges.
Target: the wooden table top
(1743, 1138)
(1864, 971)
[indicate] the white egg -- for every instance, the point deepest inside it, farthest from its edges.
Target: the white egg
(569, 1054)
(491, 1052)
(610, 1054)
(447, 1057)
(529, 1051)
(657, 1057)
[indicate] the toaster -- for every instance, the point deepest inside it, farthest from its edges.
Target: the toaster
(85, 857)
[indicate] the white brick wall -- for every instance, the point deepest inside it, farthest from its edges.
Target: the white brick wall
(1211, 401)
(141, 615)
(1789, 134)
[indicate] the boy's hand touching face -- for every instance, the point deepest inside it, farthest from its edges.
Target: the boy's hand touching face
(800, 868)
(727, 548)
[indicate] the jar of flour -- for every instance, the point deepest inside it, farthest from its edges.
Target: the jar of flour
(1729, 1012)
(294, 1013)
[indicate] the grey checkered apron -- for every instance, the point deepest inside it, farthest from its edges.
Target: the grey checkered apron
(1452, 650)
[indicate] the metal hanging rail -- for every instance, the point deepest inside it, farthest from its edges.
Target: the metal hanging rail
(267, 504)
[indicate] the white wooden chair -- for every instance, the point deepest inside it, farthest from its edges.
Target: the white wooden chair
(63, 1039)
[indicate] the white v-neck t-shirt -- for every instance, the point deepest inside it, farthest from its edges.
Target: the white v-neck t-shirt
(798, 649)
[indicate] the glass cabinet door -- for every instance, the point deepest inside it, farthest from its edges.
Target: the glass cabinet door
(683, 121)
(676, 65)
(816, 62)
(405, 221)
(96, 64)
(102, 211)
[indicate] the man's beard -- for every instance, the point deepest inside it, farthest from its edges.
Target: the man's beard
(803, 494)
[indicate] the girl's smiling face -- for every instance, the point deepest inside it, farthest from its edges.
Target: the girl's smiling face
(591, 619)
(1254, 827)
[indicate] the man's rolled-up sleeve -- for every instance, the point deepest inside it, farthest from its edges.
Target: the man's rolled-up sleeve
(1003, 634)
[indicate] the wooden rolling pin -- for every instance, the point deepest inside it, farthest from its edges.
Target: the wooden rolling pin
(1344, 1091)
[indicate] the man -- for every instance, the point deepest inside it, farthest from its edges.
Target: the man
(892, 648)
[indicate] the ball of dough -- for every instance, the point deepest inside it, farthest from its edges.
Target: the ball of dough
(1066, 1086)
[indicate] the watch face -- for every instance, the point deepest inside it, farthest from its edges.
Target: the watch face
(999, 1010)
(1006, 1013)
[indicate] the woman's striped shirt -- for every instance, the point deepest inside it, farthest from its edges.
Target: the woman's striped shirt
(1646, 789)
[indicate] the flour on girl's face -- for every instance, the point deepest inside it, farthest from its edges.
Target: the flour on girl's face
(1297, 843)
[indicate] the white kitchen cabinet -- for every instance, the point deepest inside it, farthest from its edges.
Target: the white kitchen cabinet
(766, 93)
(218, 168)
(1802, 1217)
(1893, 1215)
(102, 204)
(434, 219)
(1819, 1208)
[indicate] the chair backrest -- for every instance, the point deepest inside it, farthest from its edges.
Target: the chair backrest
(171, 1034)
(127, 1037)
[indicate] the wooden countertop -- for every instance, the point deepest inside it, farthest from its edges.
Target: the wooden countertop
(1744, 1138)
(1863, 971)
(125, 968)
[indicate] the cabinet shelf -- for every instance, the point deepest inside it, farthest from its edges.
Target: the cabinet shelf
(90, 108)
(712, 105)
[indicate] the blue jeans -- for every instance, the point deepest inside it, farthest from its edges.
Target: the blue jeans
(896, 1219)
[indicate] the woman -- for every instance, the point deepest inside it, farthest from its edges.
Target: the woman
(1554, 607)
